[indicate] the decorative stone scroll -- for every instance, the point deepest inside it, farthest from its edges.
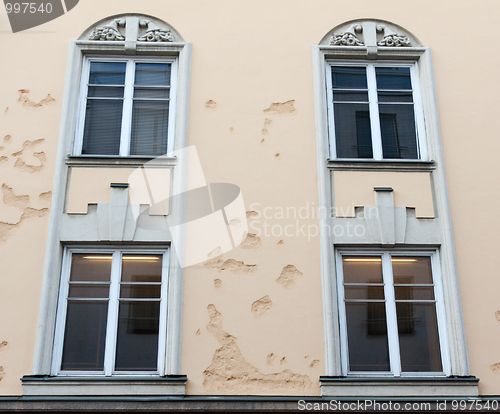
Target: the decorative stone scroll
(109, 32)
(154, 33)
(392, 39)
(347, 38)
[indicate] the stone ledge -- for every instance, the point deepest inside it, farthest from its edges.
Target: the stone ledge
(399, 387)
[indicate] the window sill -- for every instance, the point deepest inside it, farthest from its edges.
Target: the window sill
(380, 165)
(122, 385)
(398, 387)
(116, 161)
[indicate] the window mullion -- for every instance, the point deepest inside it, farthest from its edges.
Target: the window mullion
(112, 324)
(391, 315)
(82, 104)
(127, 109)
(374, 113)
(419, 114)
(331, 124)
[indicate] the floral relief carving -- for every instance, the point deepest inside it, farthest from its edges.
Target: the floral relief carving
(154, 33)
(392, 39)
(347, 38)
(108, 32)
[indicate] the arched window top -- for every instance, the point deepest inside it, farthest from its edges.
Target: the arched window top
(131, 28)
(370, 32)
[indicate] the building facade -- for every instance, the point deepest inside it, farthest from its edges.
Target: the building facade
(226, 205)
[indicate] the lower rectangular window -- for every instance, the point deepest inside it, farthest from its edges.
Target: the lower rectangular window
(391, 314)
(112, 312)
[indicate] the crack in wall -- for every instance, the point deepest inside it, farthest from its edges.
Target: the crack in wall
(230, 373)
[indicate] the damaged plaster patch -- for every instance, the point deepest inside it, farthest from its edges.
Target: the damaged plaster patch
(21, 165)
(198, 333)
(280, 243)
(262, 306)
(271, 359)
(497, 315)
(26, 101)
(277, 155)
(7, 138)
(230, 373)
(218, 284)
(2, 374)
(231, 130)
(281, 108)
(251, 242)
(267, 123)
(3, 159)
(212, 105)
(283, 361)
(288, 276)
(3, 345)
(495, 367)
(314, 363)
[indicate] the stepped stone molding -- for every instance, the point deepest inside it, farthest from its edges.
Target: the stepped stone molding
(108, 32)
(347, 38)
(154, 33)
(392, 39)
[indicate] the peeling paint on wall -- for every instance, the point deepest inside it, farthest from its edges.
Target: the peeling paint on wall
(251, 242)
(218, 284)
(212, 105)
(314, 363)
(252, 215)
(21, 202)
(288, 276)
(25, 100)
(271, 359)
(47, 196)
(229, 373)
(282, 108)
(267, 123)
(230, 265)
(495, 367)
(262, 306)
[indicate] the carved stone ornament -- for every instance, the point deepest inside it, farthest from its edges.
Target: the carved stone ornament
(109, 32)
(347, 38)
(392, 39)
(154, 33)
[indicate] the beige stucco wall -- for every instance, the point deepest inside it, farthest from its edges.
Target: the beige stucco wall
(246, 56)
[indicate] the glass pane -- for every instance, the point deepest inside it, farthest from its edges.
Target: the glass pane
(364, 292)
(157, 74)
(137, 339)
(397, 127)
(105, 92)
(362, 269)
(140, 291)
(103, 124)
(149, 128)
(107, 73)
(155, 93)
(349, 96)
(418, 337)
(412, 270)
(349, 77)
(393, 78)
(86, 267)
(414, 293)
(141, 268)
(352, 131)
(395, 96)
(88, 291)
(367, 336)
(84, 336)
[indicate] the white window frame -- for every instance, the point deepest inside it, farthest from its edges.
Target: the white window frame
(373, 106)
(126, 127)
(391, 317)
(112, 317)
